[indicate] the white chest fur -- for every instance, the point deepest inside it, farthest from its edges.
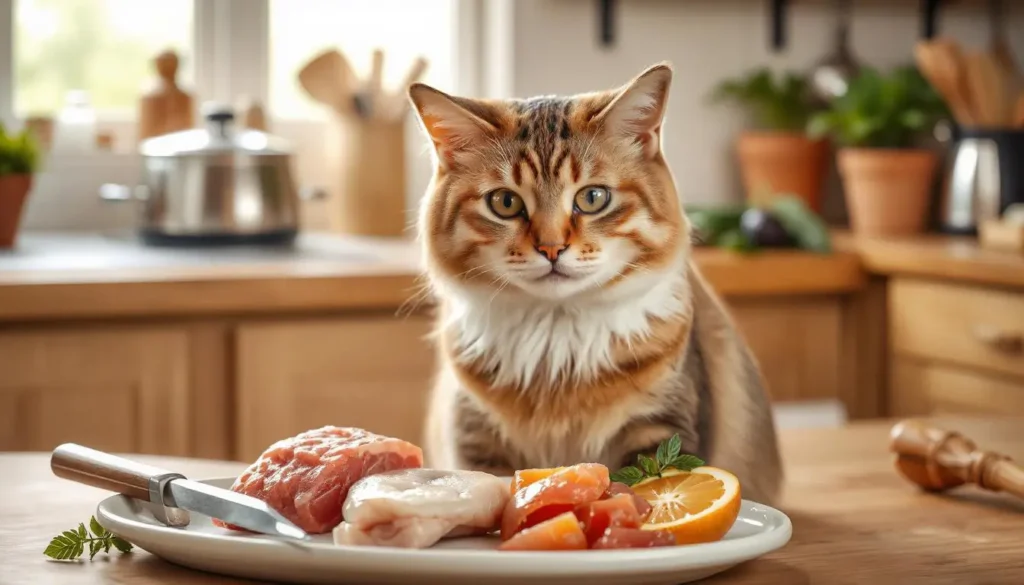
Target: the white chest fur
(525, 340)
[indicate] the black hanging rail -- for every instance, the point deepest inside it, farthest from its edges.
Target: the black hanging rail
(929, 18)
(779, 16)
(606, 21)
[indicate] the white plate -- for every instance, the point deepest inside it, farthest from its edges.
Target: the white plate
(470, 561)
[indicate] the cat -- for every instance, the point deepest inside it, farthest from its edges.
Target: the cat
(572, 324)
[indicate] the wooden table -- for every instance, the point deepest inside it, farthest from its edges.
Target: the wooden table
(855, 521)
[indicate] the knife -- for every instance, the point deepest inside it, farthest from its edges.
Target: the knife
(171, 492)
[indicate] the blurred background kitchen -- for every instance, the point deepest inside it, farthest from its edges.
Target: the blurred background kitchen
(205, 205)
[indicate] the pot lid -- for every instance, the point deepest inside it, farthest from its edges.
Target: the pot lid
(218, 137)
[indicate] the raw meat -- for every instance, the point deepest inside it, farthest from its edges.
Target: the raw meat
(415, 508)
(597, 517)
(642, 505)
(562, 532)
(633, 538)
(307, 477)
(556, 494)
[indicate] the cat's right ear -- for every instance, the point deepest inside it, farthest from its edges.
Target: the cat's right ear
(451, 126)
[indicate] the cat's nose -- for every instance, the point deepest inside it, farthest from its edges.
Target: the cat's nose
(551, 251)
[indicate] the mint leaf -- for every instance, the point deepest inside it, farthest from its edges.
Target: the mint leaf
(97, 530)
(628, 475)
(121, 544)
(650, 466)
(686, 462)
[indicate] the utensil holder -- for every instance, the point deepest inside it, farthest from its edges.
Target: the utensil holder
(368, 197)
(984, 176)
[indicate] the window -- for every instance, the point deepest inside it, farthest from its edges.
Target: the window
(403, 29)
(104, 47)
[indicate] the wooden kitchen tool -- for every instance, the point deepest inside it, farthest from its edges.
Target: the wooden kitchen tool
(328, 79)
(366, 140)
(938, 460)
(166, 107)
(941, 62)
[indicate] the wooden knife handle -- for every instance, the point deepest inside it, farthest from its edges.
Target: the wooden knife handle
(105, 471)
(936, 460)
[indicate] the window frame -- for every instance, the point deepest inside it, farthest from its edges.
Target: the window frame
(231, 48)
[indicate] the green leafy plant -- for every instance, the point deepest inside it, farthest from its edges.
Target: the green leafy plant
(19, 153)
(70, 544)
(881, 110)
(667, 457)
(776, 104)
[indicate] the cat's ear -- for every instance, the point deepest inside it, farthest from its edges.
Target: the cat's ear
(449, 121)
(637, 111)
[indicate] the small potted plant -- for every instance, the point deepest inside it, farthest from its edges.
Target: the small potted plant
(777, 156)
(878, 125)
(19, 156)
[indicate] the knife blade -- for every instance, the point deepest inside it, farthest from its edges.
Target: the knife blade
(169, 491)
(231, 507)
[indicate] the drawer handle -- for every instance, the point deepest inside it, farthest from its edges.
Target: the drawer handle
(1004, 341)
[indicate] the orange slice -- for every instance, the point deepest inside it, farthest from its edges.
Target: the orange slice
(525, 477)
(695, 506)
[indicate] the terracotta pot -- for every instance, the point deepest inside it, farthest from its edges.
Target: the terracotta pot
(887, 190)
(783, 162)
(13, 193)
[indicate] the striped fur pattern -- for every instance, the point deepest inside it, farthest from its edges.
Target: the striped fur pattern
(569, 331)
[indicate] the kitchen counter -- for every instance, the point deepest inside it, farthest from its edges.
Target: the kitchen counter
(936, 256)
(68, 276)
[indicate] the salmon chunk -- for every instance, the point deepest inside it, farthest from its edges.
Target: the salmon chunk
(557, 494)
(615, 512)
(562, 532)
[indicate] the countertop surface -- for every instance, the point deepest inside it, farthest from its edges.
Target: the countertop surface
(75, 276)
(99, 276)
(855, 521)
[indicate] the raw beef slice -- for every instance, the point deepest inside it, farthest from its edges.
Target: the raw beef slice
(306, 478)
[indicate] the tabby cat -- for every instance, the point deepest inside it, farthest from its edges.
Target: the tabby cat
(573, 325)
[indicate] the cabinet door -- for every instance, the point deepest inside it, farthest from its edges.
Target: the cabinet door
(796, 343)
(122, 390)
(369, 372)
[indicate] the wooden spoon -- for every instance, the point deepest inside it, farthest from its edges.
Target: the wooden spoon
(327, 78)
(939, 62)
(938, 460)
(399, 101)
(988, 90)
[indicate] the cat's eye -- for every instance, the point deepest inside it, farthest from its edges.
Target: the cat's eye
(592, 199)
(506, 204)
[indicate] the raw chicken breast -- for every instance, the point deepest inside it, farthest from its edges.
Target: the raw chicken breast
(307, 477)
(415, 508)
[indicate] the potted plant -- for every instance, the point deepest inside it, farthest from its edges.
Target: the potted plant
(886, 175)
(19, 156)
(777, 156)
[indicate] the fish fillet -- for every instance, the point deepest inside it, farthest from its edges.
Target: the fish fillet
(415, 508)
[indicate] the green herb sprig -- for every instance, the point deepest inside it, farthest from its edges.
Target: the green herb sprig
(668, 456)
(70, 544)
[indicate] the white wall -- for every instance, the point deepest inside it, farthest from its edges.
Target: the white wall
(550, 46)
(557, 51)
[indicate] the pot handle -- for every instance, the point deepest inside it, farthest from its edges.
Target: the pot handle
(117, 192)
(312, 193)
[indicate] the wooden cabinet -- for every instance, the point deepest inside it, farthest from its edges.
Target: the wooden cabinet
(121, 389)
(955, 348)
(367, 371)
(797, 343)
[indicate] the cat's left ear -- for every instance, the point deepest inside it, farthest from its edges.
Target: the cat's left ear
(638, 110)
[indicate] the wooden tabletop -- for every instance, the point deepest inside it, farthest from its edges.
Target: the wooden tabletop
(855, 521)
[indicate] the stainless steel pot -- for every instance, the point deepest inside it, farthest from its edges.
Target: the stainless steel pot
(215, 185)
(984, 176)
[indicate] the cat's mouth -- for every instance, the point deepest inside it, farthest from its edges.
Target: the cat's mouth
(554, 275)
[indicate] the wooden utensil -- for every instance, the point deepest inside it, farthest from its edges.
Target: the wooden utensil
(328, 79)
(935, 65)
(165, 108)
(938, 460)
(399, 101)
(988, 89)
